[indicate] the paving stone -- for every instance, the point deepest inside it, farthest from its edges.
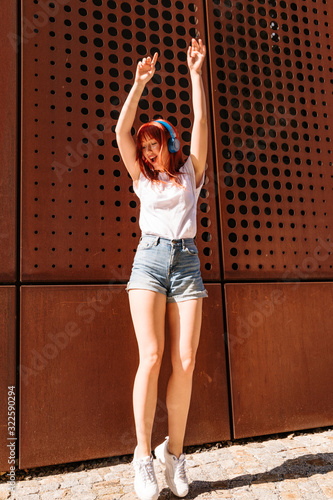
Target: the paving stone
(80, 489)
(318, 495)
(264, 494)
(110, 476)
(20, 496)
(32, 483)
(235, 471)
(227, 464)
(78, 475)
(91, 478)
(326, 451)
(240, 494)
(252, 470)
(48, 486)
(275, 446)
(328, 491)
(84, 496)
(69, 483)
(107, 487)
(287, 495)
(297, 467)
(307, 484)
(51, 495)
(107, 497)
(221, 494)
(28, 490)
(324, 481)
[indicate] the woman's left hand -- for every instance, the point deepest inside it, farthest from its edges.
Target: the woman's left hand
(196, 55)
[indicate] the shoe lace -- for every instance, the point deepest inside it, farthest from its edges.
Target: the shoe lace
(145, 469)
(180, 469)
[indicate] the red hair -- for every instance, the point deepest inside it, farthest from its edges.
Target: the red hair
(155, 130)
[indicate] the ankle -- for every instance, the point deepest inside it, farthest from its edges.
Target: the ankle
(174, 451)
(142, 451)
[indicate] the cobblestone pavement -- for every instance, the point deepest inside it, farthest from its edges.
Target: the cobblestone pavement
(286, 467)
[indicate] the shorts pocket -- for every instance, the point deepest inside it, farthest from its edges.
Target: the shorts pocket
(144, 245)
(191, 249)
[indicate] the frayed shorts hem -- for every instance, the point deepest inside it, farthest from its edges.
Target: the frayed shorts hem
(171, 298)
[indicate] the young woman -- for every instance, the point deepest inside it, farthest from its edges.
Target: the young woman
(165, 277)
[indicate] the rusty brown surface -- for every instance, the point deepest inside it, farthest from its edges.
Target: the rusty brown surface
(271, 70)
(7, 372)
(80, 215)
(78, 363)
(9, 45)
(272, 108)
(280, 351)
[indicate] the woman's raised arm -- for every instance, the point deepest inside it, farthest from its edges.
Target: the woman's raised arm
(199, 139)
(127, 147)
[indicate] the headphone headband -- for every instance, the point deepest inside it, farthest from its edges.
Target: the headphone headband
(168, 127)
(173, 142)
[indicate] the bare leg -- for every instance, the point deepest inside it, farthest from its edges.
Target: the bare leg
(148, 315)
(185, 324)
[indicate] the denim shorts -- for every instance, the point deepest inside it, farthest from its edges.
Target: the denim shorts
(171, 267)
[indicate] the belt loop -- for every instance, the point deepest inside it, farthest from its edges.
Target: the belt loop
(157, 241)
(183, 242)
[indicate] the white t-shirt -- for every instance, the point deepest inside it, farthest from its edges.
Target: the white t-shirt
(169, 210)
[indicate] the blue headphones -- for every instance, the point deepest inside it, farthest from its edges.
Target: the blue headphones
(173, 142)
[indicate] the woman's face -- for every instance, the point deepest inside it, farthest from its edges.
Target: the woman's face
(154, 154)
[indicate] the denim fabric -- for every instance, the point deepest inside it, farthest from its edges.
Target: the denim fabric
(171, 267)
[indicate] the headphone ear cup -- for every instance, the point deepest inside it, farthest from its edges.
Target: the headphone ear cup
(173, 145)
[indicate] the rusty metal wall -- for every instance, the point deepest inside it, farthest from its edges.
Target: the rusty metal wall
(80, 220)
(78, 363)
(271, 70)
(80, 215)
(280, 348)
(9, 46)
(268, 80)
(7, 374)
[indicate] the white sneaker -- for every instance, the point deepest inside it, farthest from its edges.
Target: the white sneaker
(145, 482)
(174, 469)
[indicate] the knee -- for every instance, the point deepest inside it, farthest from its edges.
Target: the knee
(151, 361)
(184, 365)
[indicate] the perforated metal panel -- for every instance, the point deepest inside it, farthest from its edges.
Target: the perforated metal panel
(80, 215)
(9, 46)
(272, 79)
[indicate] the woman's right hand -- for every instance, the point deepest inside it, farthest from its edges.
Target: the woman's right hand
(145, 69)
